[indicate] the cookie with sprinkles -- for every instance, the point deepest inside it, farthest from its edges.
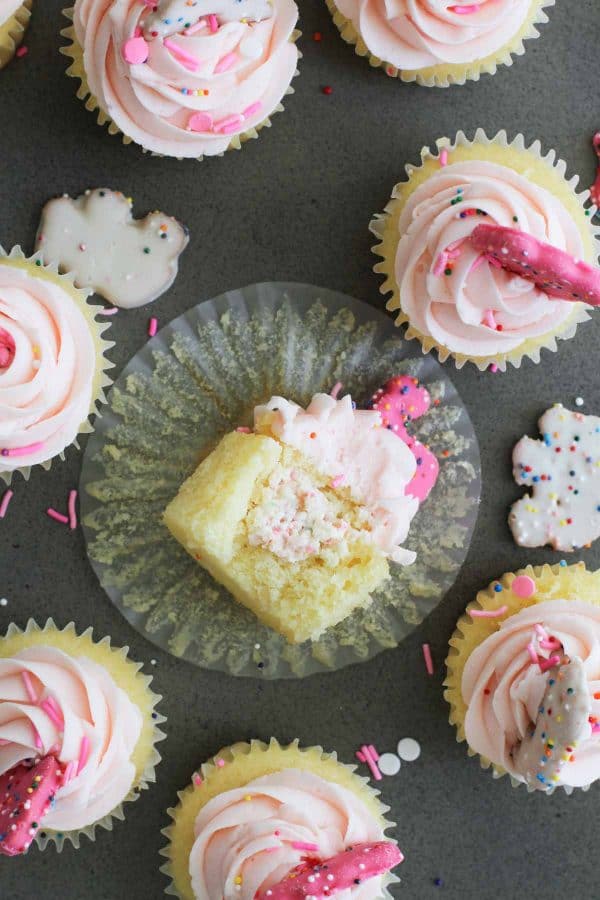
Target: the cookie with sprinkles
(562, 474)
(26, 796)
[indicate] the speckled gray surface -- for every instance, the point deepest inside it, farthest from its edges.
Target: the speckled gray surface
(294, 206)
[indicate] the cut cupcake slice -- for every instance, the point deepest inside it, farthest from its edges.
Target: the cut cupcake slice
(299, 519)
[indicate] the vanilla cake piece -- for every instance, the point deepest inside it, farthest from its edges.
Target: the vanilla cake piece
(299, 519)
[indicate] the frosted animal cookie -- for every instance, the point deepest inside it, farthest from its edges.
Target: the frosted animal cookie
(562, 723)
(172, 16)
(128, 261)
(563, 473)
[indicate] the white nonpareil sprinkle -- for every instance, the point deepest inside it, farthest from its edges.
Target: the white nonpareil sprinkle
(579, 401)
(409, 750)
(389, 764)
(3, 602)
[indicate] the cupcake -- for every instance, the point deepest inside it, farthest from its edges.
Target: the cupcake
(523, 677)
(454, 299)
(178, 81)
(438, 43)
(77, 734)
(52, 365)
(14, 18)
(266, 822)
(299, 519)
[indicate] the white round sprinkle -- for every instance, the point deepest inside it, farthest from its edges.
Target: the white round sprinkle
(579, 401)
(4, 602)
(257, 646)
(409, 750)
(251, 48)
(153, 662)
(389, 764)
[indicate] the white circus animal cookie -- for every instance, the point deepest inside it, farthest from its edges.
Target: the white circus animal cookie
(563, 473)
(562, 723)
(174, 16)
(127, 261)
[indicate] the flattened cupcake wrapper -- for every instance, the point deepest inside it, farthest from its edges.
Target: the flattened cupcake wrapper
(151, 733)
(13, 31)
(552, 581)
(200, 378)
(540, 168)
(102, 380)
(447, 74)
(314, 759)
(77, 70)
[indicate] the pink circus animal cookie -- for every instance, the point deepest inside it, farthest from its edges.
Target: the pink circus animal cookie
(399, 401)
(321, 879)
(595, 188)
(26, 795)
(562, 472)
(553, 271)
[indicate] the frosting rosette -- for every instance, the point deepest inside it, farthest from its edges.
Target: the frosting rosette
(524, 677)
(460, 301)
(51, 363)
(258, 814)
(86, 706)
(184, 81)
(247, 839)
(14, 18)
(438, 42)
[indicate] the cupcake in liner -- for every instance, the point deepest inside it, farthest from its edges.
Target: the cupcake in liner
(199, 379)
(422, 241)
(102, 760)
(14, 19)
(446, 47)
(248, 66)
(53, 369)
(283, 832)
(523, 677)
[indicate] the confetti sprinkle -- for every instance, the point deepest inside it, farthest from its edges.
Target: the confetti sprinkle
(523, 586)
(389, 764)
(409, 749)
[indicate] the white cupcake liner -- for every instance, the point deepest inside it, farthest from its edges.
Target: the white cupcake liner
(435, 76)
(381, 222)
(44, 837)
(257, 746)
(199, 378)
(76, 70)
(102, 381)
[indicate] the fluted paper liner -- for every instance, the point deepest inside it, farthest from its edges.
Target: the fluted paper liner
(129, 678)
(551, 583)
(446, 74)
(243, 763)
(35, 265)
(545, 170)
(77, 70)
(12, 32)
(200, 378)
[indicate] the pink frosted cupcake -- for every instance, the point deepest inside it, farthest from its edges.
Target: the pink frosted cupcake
(180, 82)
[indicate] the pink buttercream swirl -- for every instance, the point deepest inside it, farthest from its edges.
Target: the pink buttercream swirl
(195, 90)
(47, 366)
(247, 840)
(449, 292)
(53, 703)
(503, 686)
(416, 34)
(352, 447)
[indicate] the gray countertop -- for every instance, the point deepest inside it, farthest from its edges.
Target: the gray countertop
(295, 206)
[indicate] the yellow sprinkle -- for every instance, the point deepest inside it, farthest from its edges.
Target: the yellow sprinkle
(530, 508)
(553, 496)
(558, 719)
(563, 522)
(237, 879)
(130, 200)
(248, 797)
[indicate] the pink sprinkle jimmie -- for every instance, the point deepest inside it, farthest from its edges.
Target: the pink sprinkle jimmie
(428, 659)
(488, 613)
(29, 687)
(546, 664)
(213, 23)
(194, 29)
(22, 451)
(22, 51)
(58, 517)
(84, 752)
(303, 845)
(6, 498)
(152, 327)
(109, 311)
(51, 709)
(336, 389)
(72, 510)
(364, 755)
(182, 55)
(443, 157)
(225, 63)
